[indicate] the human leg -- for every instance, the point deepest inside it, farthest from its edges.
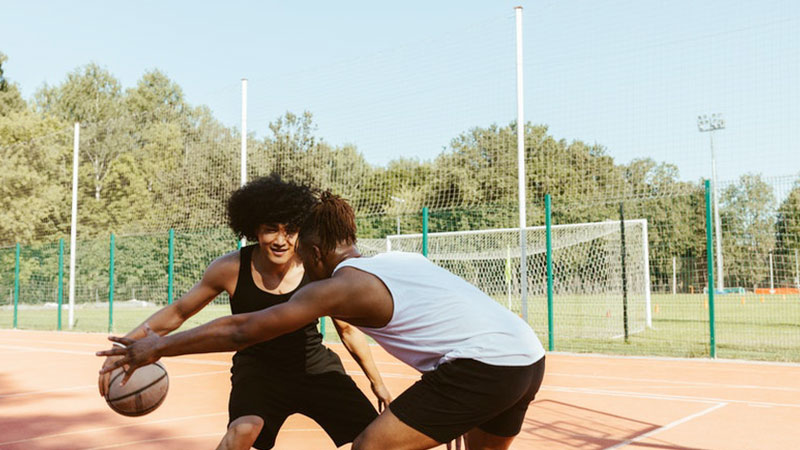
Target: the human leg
(242, 433)
(334, 401)
(387, 431)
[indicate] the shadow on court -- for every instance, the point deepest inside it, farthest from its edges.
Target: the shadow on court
(565, 425)
(68, 431)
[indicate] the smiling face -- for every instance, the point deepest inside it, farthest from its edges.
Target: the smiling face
(277, 242)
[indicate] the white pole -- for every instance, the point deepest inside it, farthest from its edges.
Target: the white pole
(771, 279)
(73, 232)
(646, 251)
(717, 226)
(523, 266)
(243, 164)
(674, 278)
(796, 269)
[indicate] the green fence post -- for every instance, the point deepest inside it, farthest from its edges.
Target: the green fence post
(425, 232)
(710, 257)
(16, 284)
(549, 243)
(60, 279)
(111, 284)
(623, 253)
(171, 266)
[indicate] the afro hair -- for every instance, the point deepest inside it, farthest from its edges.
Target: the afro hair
(269, 201)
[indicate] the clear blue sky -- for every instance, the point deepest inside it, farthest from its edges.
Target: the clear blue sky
(403, 78)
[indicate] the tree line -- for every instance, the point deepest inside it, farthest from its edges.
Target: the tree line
(151, 161)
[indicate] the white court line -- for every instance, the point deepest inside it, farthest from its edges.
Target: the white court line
(94, 386)
(190, 436)
(116, 427)
(402, 376)
(190, 361)
(687, 383)
(645, 395)
(675, 358)
(667, 426)
(580, 355)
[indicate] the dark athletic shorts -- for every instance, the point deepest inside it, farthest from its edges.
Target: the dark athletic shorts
(332, 399)
(463, 394)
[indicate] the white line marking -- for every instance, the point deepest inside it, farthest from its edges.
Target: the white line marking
(664, 397)
(675, 358)
(147, 441)
(94, 386)
(190, 436)
(117, 427)
(687, 383)
(667, 426)
(384, 375)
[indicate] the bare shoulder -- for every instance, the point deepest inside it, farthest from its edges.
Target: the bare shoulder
(224, 269)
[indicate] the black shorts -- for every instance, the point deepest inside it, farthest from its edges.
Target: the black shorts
(332, 399)
(463, 394)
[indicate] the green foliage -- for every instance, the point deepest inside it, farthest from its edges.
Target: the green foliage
(150, 161)
(10, 98)
(747, 214)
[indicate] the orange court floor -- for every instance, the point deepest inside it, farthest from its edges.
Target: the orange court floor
(49, 400)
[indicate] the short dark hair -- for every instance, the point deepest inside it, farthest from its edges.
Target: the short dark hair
(268, 201)
(331, 221)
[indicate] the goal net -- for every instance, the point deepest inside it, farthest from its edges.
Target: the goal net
(587, 272)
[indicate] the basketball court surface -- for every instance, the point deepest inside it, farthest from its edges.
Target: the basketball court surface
(49, 400)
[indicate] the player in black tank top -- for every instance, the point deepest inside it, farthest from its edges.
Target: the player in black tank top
(298, 352)
(291, 374)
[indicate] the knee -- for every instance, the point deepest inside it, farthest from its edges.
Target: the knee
(246, 428)
(363, 442)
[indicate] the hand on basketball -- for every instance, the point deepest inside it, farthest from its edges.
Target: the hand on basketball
(384, 397)
(105, 377)
(135, 354)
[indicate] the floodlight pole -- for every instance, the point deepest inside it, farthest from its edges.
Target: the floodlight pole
(523, 266)
(243, 164)
(398, 200)
(73, 231)
(710, 124)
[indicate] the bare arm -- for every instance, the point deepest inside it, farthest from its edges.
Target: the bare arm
(356, 343)
(233, 332)
(171, 317)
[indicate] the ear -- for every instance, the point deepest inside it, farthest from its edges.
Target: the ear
(317, 253)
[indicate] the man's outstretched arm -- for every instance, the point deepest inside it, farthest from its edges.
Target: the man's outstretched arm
(233, 332)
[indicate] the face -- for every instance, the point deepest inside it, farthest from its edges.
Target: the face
(277, 242)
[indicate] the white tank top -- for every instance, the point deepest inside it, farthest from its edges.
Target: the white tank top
(439, 317)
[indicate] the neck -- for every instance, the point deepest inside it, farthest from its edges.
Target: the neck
(341, 253)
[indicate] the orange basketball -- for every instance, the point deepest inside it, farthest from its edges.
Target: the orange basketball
(143, 393)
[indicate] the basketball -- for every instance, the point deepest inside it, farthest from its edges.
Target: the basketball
(143, 393)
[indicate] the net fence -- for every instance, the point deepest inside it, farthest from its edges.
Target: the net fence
(612, 100)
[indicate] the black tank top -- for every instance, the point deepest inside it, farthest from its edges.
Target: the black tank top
(300, 351)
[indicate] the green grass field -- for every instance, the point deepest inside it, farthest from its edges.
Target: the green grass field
(747, 326)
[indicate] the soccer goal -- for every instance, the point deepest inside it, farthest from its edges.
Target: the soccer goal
(587, 272)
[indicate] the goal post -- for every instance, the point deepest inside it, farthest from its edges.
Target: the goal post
(587, 266)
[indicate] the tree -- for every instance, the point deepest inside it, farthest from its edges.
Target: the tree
(747, 213)
(10, 98)
(787, 237)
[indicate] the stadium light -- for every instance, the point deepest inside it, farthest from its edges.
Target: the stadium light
(710, 124)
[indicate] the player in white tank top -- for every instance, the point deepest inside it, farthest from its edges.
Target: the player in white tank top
(481, 364)
(439, 317)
